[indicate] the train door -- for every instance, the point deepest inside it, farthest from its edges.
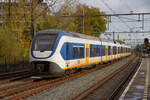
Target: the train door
(67, 54)
(117, 51)
(87, 53)
(111, 52)
(106, 53)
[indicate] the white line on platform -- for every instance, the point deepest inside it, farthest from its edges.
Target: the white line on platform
(146, 82)
(127, 88)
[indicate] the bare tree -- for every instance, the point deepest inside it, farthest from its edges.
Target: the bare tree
(44, 6)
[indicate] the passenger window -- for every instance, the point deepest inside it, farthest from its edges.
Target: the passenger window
(81, 54)
(75, 52)
(118, 50)
(109, 50)
(97, 51)
(113, 50)
(121, 49)
(67, 51)
(94, 52)
(91, 54)
(104, 51)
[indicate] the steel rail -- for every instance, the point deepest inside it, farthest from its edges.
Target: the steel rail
(123, 83)
(102, 82)
(56, 82)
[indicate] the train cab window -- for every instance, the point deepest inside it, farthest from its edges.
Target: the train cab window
(81, 52)
(109, 50)
(75, 52)
(44, 42)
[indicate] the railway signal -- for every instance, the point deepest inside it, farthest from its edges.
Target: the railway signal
(146, 41)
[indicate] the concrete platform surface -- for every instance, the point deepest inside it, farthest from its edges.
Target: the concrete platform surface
(139, 86)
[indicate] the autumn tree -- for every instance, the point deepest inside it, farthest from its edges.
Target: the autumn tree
(92, 25)
(55, 21)
(21, 20)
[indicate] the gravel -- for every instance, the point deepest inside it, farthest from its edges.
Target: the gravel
(73, 88)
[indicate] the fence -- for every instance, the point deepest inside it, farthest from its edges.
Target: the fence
(15, 66)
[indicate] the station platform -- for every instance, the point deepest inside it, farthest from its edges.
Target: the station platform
(139, 86)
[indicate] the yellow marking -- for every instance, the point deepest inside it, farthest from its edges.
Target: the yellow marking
(81, 65)
(111, 53)
(87, 53)
(106, 53)
(87, 59)
(117, 53)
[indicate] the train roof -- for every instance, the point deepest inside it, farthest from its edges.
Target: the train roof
(50, 31)
(78, 35)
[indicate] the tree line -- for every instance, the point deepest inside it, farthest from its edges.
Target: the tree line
(23, 18)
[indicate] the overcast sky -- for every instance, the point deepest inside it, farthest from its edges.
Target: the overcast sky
(121, 5)
(124, 6)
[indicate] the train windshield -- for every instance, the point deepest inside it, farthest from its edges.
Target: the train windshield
(44, 42)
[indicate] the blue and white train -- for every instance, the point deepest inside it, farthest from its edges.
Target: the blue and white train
(57, 51)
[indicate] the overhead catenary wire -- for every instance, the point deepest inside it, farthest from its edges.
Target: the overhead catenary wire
(115, 13)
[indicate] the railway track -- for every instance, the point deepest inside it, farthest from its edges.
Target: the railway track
(12, 76)
(97, 91)
(26, 89)
(29, 88)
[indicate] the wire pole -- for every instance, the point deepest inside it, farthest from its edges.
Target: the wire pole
(113, 36)
(143, 21)
(82, 26)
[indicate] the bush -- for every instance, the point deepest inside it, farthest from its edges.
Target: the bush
(10, 49)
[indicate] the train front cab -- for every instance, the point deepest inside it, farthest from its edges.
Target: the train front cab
(41, 50)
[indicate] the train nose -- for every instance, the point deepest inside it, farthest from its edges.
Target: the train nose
(40, 67)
